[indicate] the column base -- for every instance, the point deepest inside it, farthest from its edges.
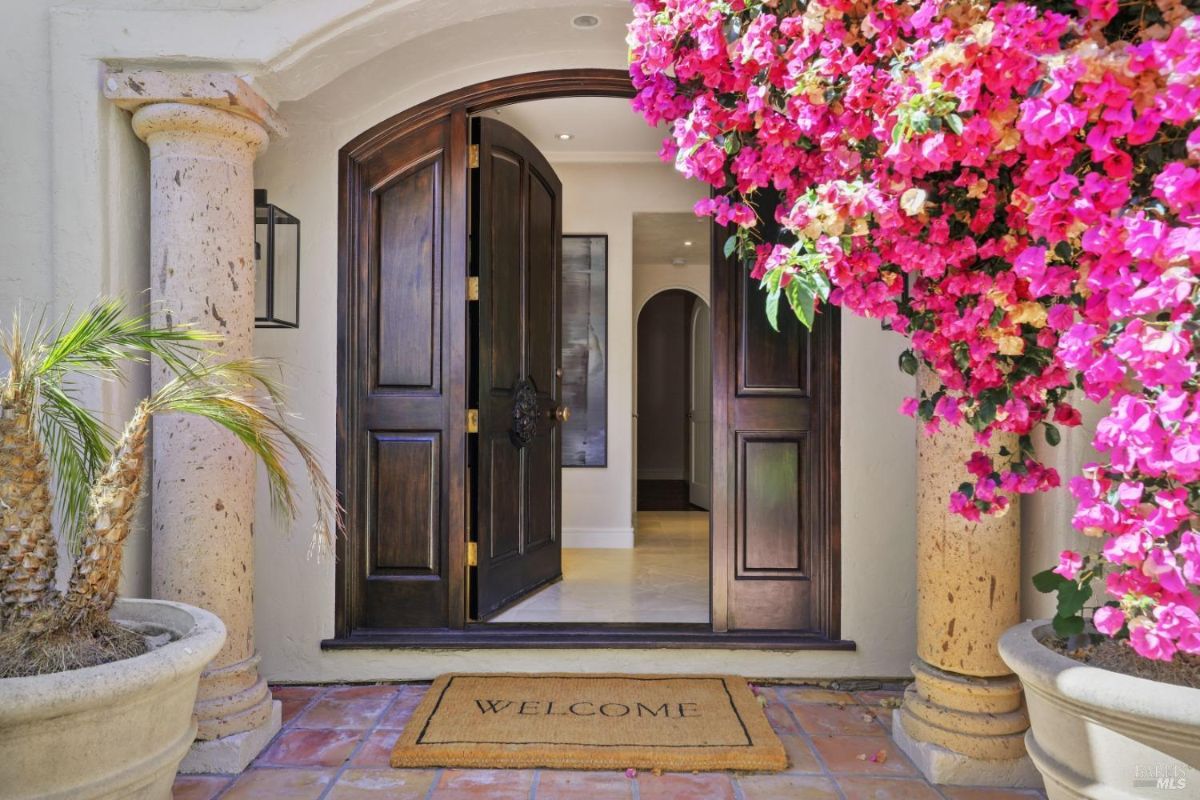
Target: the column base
(943, 766)
(230, 755)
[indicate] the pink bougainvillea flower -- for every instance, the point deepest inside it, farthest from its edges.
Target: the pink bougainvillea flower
(1015, 189)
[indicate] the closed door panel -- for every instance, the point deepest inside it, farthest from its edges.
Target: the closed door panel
(775, 456)
(402, 385)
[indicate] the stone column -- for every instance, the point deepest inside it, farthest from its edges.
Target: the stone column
(204, 132)
(963, 721)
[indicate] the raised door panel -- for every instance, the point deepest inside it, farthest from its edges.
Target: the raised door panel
(405, 513)
(770, 362)
(407, 334)
(507, 279)
(771, 487)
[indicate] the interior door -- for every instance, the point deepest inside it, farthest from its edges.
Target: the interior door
(517, 252)
(700, 409)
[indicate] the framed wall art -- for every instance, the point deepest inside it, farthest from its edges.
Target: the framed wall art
(585, 350)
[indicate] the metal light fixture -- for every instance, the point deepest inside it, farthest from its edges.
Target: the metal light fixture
(276, 265)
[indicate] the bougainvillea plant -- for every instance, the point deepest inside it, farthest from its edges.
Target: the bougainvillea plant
(1015, 187)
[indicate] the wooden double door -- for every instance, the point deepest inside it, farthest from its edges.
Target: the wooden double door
(449, 406)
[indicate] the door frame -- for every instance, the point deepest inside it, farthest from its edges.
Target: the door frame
(458, 106)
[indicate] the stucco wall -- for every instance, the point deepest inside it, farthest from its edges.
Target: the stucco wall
(73, 219)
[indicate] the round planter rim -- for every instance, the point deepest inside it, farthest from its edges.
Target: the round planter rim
(1043, 670)
(26, 698)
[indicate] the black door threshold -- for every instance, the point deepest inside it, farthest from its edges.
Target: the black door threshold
(584, 636)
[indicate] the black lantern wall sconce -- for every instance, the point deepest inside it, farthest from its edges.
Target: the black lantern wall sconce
(276, 265)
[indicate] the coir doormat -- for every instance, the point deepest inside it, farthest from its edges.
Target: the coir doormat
(685, 723)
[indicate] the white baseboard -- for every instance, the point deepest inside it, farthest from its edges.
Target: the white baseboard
(614, 538)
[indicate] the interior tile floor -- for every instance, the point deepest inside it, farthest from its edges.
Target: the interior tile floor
(336, 740)
(663, 578)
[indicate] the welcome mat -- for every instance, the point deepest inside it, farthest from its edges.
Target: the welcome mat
(572, 721)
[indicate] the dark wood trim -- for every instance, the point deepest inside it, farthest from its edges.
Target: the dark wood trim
(828, 396)
(583, 636)
(489, 94)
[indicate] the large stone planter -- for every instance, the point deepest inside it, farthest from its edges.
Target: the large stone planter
(113, 731)
(1101, 734)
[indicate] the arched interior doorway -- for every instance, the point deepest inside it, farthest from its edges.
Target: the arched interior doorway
(674, 402)
(408, 370)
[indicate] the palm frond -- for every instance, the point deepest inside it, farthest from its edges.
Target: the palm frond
(104, 338)
(100, 342)
(78, 446)
(21, 343)
(242, 397)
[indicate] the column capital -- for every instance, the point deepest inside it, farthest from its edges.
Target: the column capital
(135, 89)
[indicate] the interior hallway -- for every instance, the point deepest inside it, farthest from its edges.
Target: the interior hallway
(663, 578)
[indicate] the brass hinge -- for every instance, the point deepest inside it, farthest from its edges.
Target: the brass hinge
(474, 156)
(472, 554)
(472, 420)
(473, 288)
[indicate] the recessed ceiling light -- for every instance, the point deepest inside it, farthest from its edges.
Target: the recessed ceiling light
(687, 244)
(565, 137)
(585, 21)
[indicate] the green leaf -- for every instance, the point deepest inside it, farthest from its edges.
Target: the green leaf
(954, 121)
(909, 363)
(803, 302)
(1071, 597)
(1053, 437)
(986, 413)
(1067, 626)
(773, 309)
(1047, 581)
(731, 245)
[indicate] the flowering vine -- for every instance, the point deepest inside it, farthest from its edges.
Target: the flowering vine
(1013, 186)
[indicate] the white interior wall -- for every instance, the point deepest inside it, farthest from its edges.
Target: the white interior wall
(602, 198)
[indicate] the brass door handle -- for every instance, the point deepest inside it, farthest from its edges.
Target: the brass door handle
(562, 413)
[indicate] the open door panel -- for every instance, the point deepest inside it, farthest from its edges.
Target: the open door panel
(516, 239)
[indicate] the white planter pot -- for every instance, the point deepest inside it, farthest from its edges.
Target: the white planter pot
(114, 731)
(1101, 734)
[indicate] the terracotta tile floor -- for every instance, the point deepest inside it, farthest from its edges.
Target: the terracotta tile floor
(336, 740)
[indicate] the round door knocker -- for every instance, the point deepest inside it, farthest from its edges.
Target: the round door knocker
(524, 414)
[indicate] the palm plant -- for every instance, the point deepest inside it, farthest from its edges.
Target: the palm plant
(45, 431)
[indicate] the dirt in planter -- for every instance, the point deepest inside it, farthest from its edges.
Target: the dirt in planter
(42, 644)
(1118, 656)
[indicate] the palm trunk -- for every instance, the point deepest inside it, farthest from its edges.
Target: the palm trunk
(93, 586)
(30, 553)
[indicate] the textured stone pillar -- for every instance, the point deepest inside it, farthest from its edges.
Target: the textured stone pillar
(963, 720)
(204, 132)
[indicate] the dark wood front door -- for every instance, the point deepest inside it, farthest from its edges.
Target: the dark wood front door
(516, 236)
(415, 354)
